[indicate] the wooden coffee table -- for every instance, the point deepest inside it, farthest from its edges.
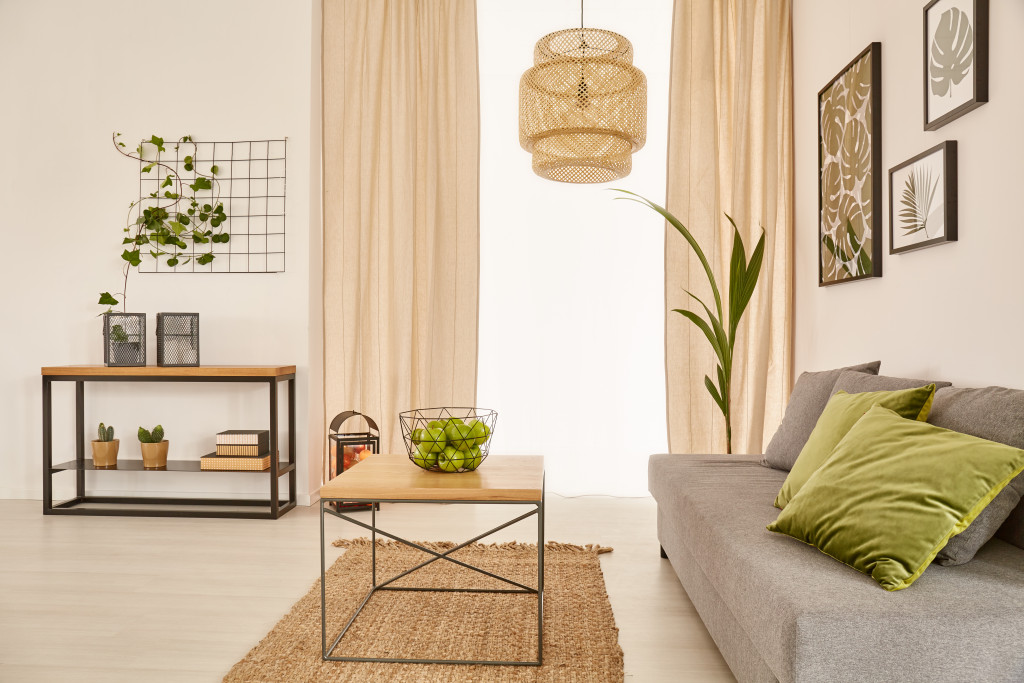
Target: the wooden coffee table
(508, 479)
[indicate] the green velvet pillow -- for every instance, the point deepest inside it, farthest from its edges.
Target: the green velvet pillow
(840, 414)
(893, 492)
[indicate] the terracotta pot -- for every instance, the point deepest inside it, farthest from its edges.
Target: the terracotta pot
(104, 453)
(154, 455)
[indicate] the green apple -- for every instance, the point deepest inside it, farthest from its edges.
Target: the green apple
(459, 436)
(478, 430)
(450, 459)
(435, 424)
(424, 456)
(473, 458)
(434, 439)
(448, 422)
(417, 436)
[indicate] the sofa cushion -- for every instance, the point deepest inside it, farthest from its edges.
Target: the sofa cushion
(811, 618)
(859, 382)
(894, 491)
(997, 414)
(840, 415)
(810, 394)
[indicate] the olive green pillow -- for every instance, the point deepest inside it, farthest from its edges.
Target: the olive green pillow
(840, 414)
(894, 491)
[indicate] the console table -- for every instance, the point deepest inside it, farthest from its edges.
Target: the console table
(83, 504)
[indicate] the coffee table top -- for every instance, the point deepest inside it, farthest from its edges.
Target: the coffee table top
(394, 477)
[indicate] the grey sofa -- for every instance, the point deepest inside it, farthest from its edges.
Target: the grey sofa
(780, 610)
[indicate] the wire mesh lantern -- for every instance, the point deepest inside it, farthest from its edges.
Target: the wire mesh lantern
(177, 339)
(583, 106)
(349, 448)
(124, 339)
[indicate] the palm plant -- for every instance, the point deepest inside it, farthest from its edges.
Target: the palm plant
(743, 276)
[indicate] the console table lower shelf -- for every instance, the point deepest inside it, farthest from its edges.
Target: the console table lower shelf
(245, 505)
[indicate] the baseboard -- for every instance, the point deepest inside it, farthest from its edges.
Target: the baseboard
(304, 499)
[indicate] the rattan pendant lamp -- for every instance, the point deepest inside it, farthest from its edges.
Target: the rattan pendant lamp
(583, 106)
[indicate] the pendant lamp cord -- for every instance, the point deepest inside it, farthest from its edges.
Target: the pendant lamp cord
(581, 15)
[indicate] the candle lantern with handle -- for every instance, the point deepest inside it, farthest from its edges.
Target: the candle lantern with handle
(348, 447)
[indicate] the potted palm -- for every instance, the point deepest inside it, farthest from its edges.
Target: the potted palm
(722, 322)
(104, 449)
(154, 447)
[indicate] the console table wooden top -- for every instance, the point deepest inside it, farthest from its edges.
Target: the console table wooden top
(158, 371)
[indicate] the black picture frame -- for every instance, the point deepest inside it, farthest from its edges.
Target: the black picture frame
(949, 205)
(873, 224)
(980, 9)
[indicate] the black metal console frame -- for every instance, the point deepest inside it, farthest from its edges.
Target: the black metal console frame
(275, 507)
(538, 510)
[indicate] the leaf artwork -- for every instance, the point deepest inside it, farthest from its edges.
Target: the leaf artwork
(916, 200)
(845, 149)
(952, 51)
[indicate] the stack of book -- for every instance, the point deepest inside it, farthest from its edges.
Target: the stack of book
(240, 449)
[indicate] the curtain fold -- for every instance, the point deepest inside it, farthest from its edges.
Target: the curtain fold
(401, 211)
(730, 151)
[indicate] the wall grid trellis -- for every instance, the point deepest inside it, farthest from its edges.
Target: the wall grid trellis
(252, 182)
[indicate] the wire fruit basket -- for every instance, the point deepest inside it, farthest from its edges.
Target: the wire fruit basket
(448, 439)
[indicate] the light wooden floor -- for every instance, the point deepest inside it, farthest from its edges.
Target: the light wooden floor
(136, 599)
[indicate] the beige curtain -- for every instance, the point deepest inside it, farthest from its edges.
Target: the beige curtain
(401, 216)
(730, 150)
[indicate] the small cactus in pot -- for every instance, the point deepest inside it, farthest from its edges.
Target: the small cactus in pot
(104, 448)
(105, 433)
(154, 447)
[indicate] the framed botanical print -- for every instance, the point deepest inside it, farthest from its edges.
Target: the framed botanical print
(955, 59)
(850, 171)
(922, 200)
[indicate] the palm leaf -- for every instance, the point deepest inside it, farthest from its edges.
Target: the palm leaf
(714, 393)
(724, 340)
(737, 276)
(916, 200)
(742, 283)
(688, 237)
(703, 326)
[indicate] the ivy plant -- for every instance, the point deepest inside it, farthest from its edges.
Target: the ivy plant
(170, 221)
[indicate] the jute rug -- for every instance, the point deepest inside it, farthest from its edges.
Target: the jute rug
(580, 637)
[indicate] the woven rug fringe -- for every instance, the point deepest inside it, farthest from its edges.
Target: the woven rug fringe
(447, 545)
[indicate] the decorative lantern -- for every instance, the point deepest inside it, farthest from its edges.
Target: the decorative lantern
(349, 448)
(124, 339)
(177, 339)
(583, 106)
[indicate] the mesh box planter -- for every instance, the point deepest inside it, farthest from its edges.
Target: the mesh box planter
(177, 339)
(124, 339)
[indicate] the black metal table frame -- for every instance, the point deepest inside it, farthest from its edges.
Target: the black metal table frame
(538, 510)
(69, 507)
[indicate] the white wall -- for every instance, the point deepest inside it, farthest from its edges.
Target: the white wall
(952, 311)
(572, 300)
(72, 73)
(572, 305)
